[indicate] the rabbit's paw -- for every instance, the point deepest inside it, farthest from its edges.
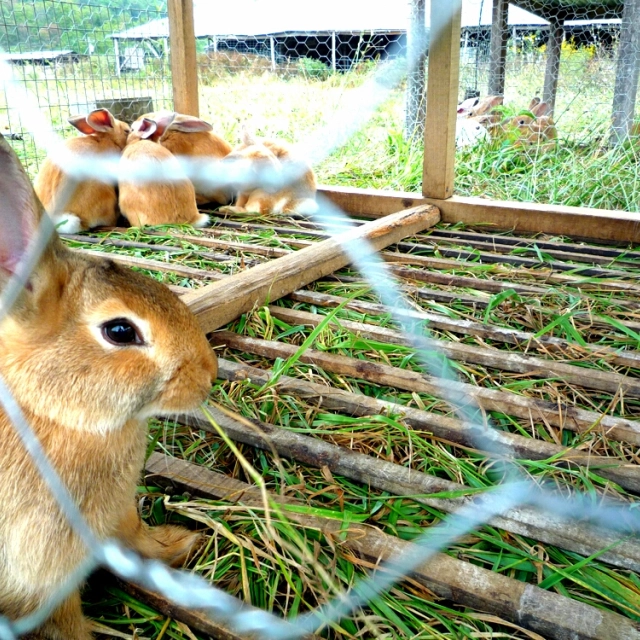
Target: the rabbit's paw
(170, 543)
(67, 223)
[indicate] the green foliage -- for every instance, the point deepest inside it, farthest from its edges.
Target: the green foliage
(44, 25)
(313, 68)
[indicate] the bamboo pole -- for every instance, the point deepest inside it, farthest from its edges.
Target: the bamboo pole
(442, 427)
(531, 409)
(184, 70)
(556, 616)
(442, 99)
(217, 304)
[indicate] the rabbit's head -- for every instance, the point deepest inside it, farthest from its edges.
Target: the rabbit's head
(102, 125)
(90, 345)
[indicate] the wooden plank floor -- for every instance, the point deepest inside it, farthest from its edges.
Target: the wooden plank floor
(543, 331)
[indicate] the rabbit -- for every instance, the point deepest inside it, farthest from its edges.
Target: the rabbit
(156, 202)
(93, 203)
(274, 156)
(539, 130)
(477, 120)
(193, 138)
(90, 350)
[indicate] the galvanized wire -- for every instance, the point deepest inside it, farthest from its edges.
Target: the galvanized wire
(190, 590)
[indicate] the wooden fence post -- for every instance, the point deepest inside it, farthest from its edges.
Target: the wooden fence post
(499, 39)
(627, 71)
(552, 72)
(184, 70)
(442, 99)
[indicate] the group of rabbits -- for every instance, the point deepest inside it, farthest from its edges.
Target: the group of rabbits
(479, 119)
(254, 174)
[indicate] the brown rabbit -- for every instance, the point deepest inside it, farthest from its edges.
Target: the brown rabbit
(93, 203)
(539, 130)
(89, 351)
(156, 202)
(193, 138)
(254, 157)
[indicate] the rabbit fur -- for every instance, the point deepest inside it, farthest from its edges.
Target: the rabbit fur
(477, 119)
(255, 157)
(93, 203)
(154, 203)
(87, 398)
(193, 138)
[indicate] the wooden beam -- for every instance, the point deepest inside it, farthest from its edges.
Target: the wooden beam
(627, 72)
(217, 304)
(442, 99)
(184, 71)
(398, 479)
(499, 39)
(520, 217)
(552, 71)
(545, 612)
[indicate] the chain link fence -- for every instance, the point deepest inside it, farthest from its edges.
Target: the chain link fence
(290, 86)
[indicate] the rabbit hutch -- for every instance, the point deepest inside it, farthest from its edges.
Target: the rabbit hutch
(361, 407)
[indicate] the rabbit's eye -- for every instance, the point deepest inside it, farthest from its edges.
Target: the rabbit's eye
(121, 332)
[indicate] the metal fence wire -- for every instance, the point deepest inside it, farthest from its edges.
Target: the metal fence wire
(63, 58)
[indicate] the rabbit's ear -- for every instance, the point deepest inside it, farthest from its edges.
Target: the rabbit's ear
(163, 123)
(101, 120)
(147, 128)
(541, 109)
(190, 124)
(534, 103)
(81, 124)
(247, 137)
(20, 210)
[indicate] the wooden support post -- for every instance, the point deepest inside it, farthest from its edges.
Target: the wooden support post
(627, 72)
(184, 72)
(217, 304)
(499, 39)
(552, 72)
(333, 51)
(116, 51)
(416, 57)
(272, 47)
(442, 99)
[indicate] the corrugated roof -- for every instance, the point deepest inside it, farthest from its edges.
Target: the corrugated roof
(250, 18)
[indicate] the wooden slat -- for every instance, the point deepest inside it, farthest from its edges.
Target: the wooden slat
(400, 480)
(442, 98)
(184, 70)
(440, 426)
(520, 217)
(530, 409)
(553, 615)
(217, 304)
(552, 71)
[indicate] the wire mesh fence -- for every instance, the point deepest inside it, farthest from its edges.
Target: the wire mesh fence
(64, 53)
(377, 85)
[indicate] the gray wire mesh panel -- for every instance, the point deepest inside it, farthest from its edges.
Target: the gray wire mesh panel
(64, 53)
